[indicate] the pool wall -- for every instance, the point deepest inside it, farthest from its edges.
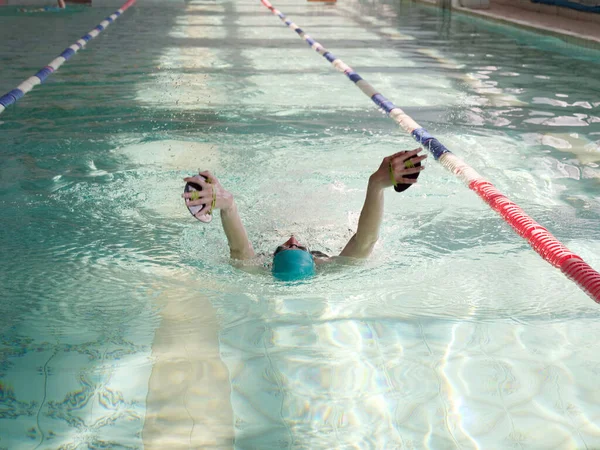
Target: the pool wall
(575, 26)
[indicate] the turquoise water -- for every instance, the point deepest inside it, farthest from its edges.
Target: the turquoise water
(123, 324)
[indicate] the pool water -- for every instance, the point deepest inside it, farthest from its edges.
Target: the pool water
(123, 323)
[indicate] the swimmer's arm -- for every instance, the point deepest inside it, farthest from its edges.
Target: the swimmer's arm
(361, 244)
(237, 237)
(213, 193)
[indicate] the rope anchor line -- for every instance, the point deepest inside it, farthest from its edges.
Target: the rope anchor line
(12, 96)
(540, 239)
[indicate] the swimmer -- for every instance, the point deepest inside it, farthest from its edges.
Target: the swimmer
(293, 260)
(60, 6)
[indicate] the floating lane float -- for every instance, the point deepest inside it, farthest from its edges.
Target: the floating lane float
(11, 97)
(542, 241)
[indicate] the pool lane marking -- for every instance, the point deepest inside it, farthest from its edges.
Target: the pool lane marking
(12, 96)
(540, 239)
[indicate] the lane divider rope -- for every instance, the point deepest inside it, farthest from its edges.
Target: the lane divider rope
(12, 96)
(540, 239)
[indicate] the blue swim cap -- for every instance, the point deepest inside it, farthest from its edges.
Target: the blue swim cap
(293, 264)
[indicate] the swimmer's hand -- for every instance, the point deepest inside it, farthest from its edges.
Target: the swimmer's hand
(216, 197)
(401, 166)
(212, 194)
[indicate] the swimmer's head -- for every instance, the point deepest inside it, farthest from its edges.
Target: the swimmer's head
(292, 261)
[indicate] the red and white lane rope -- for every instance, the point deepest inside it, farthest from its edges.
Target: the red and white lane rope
(542, 241)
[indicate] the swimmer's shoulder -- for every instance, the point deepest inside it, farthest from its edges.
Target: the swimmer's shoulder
(335, 260)
(257, 265)
(321, 260)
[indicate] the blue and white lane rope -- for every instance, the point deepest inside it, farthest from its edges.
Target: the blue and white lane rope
(407, 123)
(11, 97)
(542, 241)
